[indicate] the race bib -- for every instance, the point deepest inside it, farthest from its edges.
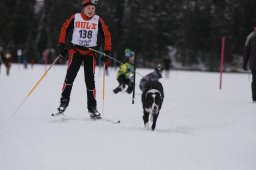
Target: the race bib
(85, 31)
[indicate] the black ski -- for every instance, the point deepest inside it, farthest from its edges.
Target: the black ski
(107, 120)
(111, 121)
(58, 114)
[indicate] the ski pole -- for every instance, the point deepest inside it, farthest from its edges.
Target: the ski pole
(103, 87)
(31, 91)
(134, 81)
(105, 55)
(111, 58)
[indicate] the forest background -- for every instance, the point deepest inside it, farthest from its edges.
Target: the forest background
(187, 31)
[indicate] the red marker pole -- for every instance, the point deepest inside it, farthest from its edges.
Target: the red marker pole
(222, 59)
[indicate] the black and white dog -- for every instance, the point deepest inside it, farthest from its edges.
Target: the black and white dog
(152, 99)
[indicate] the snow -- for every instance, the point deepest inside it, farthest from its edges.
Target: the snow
(200, 127)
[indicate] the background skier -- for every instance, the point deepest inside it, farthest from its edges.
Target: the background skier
(250, 55)
(153, 76)
(1, 56)
(167, 66)
(125, 73)
(8, 61)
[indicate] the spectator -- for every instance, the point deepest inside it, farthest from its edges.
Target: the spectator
(250, 56)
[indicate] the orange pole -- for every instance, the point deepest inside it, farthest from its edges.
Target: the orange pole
(31, 91)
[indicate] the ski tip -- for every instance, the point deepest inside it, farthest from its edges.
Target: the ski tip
(57, 114)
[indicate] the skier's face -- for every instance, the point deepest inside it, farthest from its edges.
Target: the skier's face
(89, 10)
(131, 59)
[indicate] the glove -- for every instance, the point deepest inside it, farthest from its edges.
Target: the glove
(104, 58)
(245, 68)
(62, 50)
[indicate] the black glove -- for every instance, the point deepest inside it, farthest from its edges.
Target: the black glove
(62, 50)
(245, 68)
(104, 58)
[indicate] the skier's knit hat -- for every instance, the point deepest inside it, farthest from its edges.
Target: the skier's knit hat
(89, 2)
(128, 53)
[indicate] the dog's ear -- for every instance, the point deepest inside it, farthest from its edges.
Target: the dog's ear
(159, 100)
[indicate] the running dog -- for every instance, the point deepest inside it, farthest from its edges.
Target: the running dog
(152, 99)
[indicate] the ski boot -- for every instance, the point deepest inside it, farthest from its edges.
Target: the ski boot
(119, 88)
(94, 113)
(130, 88)
(63, 105)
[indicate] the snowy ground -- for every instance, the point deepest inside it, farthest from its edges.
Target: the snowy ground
(199, 128)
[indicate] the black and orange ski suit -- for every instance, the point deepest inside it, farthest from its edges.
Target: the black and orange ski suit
(78, 54)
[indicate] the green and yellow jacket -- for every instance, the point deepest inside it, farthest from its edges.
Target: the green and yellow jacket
(126, 69)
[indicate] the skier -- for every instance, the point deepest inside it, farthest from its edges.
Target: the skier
(167, 65)
(8, 61)
(86, 29)
(250, 55)
(153, 76)
(1, 56)
(125, 73)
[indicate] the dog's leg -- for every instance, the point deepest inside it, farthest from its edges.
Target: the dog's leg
(155, 116)
(146, 120)
(145, 117)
